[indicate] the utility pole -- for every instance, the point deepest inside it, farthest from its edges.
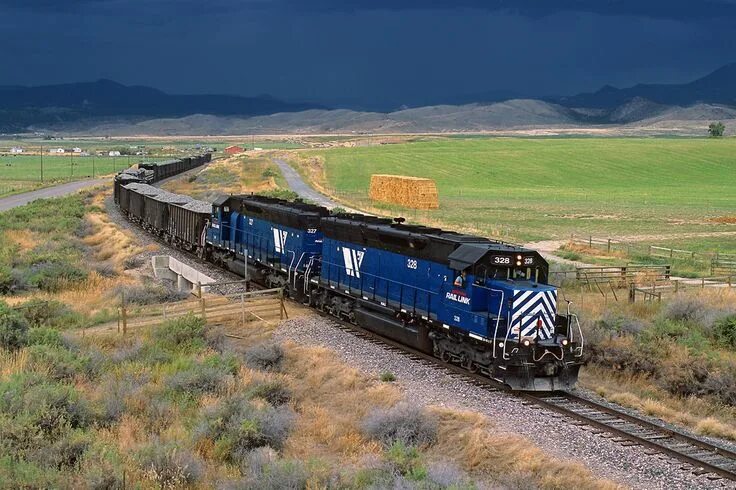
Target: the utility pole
(42, 163)
(71, 163)
(93, 165)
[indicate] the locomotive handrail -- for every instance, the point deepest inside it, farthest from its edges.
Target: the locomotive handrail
(498, 319)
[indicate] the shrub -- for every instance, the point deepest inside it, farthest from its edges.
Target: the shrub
(618, 324)
(53, 276)
(133, 262)
(45, 406)
(183, 334)
(13, 329)
(228, 363)
(24, 474)
(269, 172)
(116, 389)
(721, 385)
(265, 356)
(282, 474)
(148, 294)
(274, 392)
(105, 269)
(60, 363)
(197, 380)
(724, 331)
(102, 468)
(387, 377)
(49, 313)
(66, 452)
(237, 426)
(45, 336)
(404, 423)
(6, 279)
(405, 459)
(169, 466)
(684, 376)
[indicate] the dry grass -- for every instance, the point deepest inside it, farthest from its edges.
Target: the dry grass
(640, 393)
(333, 398)
(25, 240)
(468, 439)
(239, 174)
(13, 362)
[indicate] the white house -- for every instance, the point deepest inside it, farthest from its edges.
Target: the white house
(16, 149)
(113, 153)
(77, 150)
(56, 150)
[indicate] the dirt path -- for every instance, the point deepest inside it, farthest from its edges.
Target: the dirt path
(17, 200)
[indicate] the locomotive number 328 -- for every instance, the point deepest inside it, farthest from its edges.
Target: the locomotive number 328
(502, 260)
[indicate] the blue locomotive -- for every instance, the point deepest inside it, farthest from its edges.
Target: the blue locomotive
(483, 304)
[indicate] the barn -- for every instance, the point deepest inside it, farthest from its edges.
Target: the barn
(234, 150)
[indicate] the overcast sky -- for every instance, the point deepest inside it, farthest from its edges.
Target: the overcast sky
(388, 51)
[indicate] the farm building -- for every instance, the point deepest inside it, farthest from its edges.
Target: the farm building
(234, 150)
(76, 150)
(113, 153)
(56, 150)
(16, 149)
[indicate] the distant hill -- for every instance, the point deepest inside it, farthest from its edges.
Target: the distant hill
(105, 107)
(24, 106)
(718, 87)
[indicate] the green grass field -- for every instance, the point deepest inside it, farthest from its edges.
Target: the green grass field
(542, 188)
(28, 167)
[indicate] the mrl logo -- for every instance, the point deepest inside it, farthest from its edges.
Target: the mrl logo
(279, 240)
(459, 296)
(353, 260)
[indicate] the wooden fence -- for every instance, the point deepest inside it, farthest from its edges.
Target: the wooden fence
(266, 306)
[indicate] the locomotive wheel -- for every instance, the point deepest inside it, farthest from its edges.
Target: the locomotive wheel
(445, 356)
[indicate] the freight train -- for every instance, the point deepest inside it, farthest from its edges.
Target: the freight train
(483, 304)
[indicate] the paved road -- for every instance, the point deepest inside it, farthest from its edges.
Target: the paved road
(297, 184)
(16, 200)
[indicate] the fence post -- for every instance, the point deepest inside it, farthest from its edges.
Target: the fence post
(202, 308)
(650, 250)
(199, 289)
(590, 241)
(124, 314)
(632, 293)
(671, 252)
(609, 245)
(677, 286)
(242, 310)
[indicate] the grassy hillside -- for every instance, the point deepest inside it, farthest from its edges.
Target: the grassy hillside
(548, 188)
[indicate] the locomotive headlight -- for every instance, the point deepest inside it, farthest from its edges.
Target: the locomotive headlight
(500, 344)
(526, 343)
(518, 263)
(565, 341)
(518, 257)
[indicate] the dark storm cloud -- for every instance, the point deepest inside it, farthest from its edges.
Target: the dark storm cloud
(658, 9)
(685, 10)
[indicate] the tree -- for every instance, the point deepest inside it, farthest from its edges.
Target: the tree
(716, 129)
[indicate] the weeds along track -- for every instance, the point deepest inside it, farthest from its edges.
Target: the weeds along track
(696, 456)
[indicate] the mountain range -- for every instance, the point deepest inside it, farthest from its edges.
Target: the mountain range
(107, 107)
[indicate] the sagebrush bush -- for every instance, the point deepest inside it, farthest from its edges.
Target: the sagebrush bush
(148, 294)
(237, 426)
(60, 362)
(45, 336)
(169, 465)
(410, 425)
(52, 277)
(198, 379)
(133, 262)
(724, 331)
(50, 313)
(183, 334)
(268, 357)
(274, 392)
(694, 309)
(13, 328)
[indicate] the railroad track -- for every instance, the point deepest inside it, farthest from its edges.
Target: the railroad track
(697, 456)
